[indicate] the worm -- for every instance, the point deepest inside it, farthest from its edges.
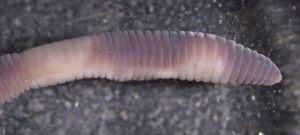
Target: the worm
(136, 55)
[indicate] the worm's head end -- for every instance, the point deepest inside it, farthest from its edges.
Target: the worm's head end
(277, 76)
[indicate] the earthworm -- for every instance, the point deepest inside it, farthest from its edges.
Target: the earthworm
(136, 55)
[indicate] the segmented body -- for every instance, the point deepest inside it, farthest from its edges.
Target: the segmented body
(136, 55)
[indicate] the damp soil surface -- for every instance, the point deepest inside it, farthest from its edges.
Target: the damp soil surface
(157, 107)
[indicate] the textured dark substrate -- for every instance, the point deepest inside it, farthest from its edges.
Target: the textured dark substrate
(106, 107)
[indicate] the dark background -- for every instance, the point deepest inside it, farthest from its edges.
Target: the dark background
(159, 107)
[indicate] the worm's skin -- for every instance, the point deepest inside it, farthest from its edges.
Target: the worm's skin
(136, 55)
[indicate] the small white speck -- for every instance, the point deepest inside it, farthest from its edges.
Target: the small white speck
(220, 21)
(260, 133)
(151, 9)
(294, 7)
(136, 96)
(124, 115)
(76, 104)
(220, 5)
(258, 115)
(253, 98)
(279, 91)
(68, 104)
(17, 22)
(215, 118)
(104, 20)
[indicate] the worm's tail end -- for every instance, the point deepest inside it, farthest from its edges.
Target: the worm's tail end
(12, 77)
(45, 65)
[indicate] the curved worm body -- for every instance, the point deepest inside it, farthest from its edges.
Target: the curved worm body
(136, 55)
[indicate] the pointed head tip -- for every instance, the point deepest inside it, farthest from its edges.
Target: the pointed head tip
(278, 77)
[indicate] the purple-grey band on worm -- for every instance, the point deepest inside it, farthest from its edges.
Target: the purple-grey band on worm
(136, 55)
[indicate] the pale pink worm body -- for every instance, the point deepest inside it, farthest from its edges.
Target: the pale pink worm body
(136, 55)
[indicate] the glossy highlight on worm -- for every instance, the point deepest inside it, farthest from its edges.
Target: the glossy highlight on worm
(136, 55)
